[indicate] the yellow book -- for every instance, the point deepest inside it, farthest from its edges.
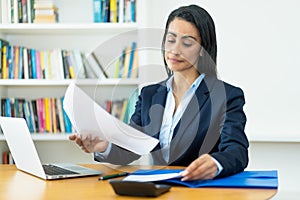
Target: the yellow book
(4, 63)
(47, 115)
(113, 11)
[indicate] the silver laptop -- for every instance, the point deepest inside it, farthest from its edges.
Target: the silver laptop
(26, 158)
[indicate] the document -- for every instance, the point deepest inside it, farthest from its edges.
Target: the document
(152, 177)
(87, 117)
(245, 179)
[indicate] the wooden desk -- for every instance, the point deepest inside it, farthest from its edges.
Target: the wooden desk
(15, 184)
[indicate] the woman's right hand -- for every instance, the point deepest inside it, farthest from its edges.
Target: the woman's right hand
(88, 144)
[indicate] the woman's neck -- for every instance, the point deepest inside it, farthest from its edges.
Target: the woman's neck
(182, 82)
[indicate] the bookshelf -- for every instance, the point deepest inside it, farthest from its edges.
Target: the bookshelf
(75, 30)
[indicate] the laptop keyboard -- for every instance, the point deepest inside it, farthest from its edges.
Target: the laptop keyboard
(55, 170)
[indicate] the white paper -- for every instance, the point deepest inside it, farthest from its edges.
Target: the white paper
(152, 177)
(88, 117)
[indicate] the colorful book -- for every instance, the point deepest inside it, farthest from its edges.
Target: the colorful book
(126, 62)
(25, 63)
(15, 65)
(97, 11)
(131, 59)
(21, 63)
(60, 115)
(33, 64)
(2, 55)
(68, 125)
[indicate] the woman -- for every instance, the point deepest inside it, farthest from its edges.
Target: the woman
(198, 119)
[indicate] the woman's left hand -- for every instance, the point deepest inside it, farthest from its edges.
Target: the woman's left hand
(202, 168)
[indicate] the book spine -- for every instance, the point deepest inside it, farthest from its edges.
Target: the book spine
(133, 46)
(4, 62)
(38, 65)
(60, 115)
(10, 61)
(21, 63)
(47, 115)
(33, 64)
(97, 11)
(5, 14)
(68, 125)
(53, 114)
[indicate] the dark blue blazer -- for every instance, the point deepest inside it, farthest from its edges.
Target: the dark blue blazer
(213, 123)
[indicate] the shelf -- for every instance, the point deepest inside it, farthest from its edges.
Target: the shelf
(83, 82)
(45, 137)
(292, 138)
(66, 28)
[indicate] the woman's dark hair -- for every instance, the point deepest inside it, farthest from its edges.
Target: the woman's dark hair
(206, 27)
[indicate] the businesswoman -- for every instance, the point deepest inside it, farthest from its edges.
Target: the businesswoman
(198, 119)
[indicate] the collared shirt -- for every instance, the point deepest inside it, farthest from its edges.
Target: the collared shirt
(171, 119)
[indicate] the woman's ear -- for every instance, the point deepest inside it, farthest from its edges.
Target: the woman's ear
(201, 51)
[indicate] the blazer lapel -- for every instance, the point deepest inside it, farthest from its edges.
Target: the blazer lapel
(156, 111)
(191, 113)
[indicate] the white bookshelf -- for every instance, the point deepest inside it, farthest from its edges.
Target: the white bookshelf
(75, 30)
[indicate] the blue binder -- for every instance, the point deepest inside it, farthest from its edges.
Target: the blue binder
(267, 179)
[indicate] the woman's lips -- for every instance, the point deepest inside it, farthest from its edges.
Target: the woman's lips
(174, 60)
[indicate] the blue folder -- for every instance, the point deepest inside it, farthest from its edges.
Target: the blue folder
(267, 179)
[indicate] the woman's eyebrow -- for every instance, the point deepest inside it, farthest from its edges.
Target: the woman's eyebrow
(183, 37)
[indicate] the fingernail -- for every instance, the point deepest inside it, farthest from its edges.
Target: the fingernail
(184, 179)
(184, 173)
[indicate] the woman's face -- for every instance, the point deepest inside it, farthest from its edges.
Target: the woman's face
(182, 46)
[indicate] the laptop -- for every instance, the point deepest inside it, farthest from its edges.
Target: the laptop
(26, 158)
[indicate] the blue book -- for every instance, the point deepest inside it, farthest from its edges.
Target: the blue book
(7, 107)
(33, 63)
(68, 125)
(10, 61)
(97, 11)
(247, 179)
(133, 46)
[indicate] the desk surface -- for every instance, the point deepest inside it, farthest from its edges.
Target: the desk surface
(15, 184)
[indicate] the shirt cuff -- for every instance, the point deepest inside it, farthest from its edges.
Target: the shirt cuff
(220, 167)
(104, 155)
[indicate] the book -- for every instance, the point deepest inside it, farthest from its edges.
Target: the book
(5, 12)
(99, 65)
(131, 59)
(93, 66)
(97, 11)
(3, 56)
(113, 11)
(60, 115)
(3, 43)
(33, 64)
(126, 62)
(135, 65)
(21, 63)
(246, 179)
(79, 69)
